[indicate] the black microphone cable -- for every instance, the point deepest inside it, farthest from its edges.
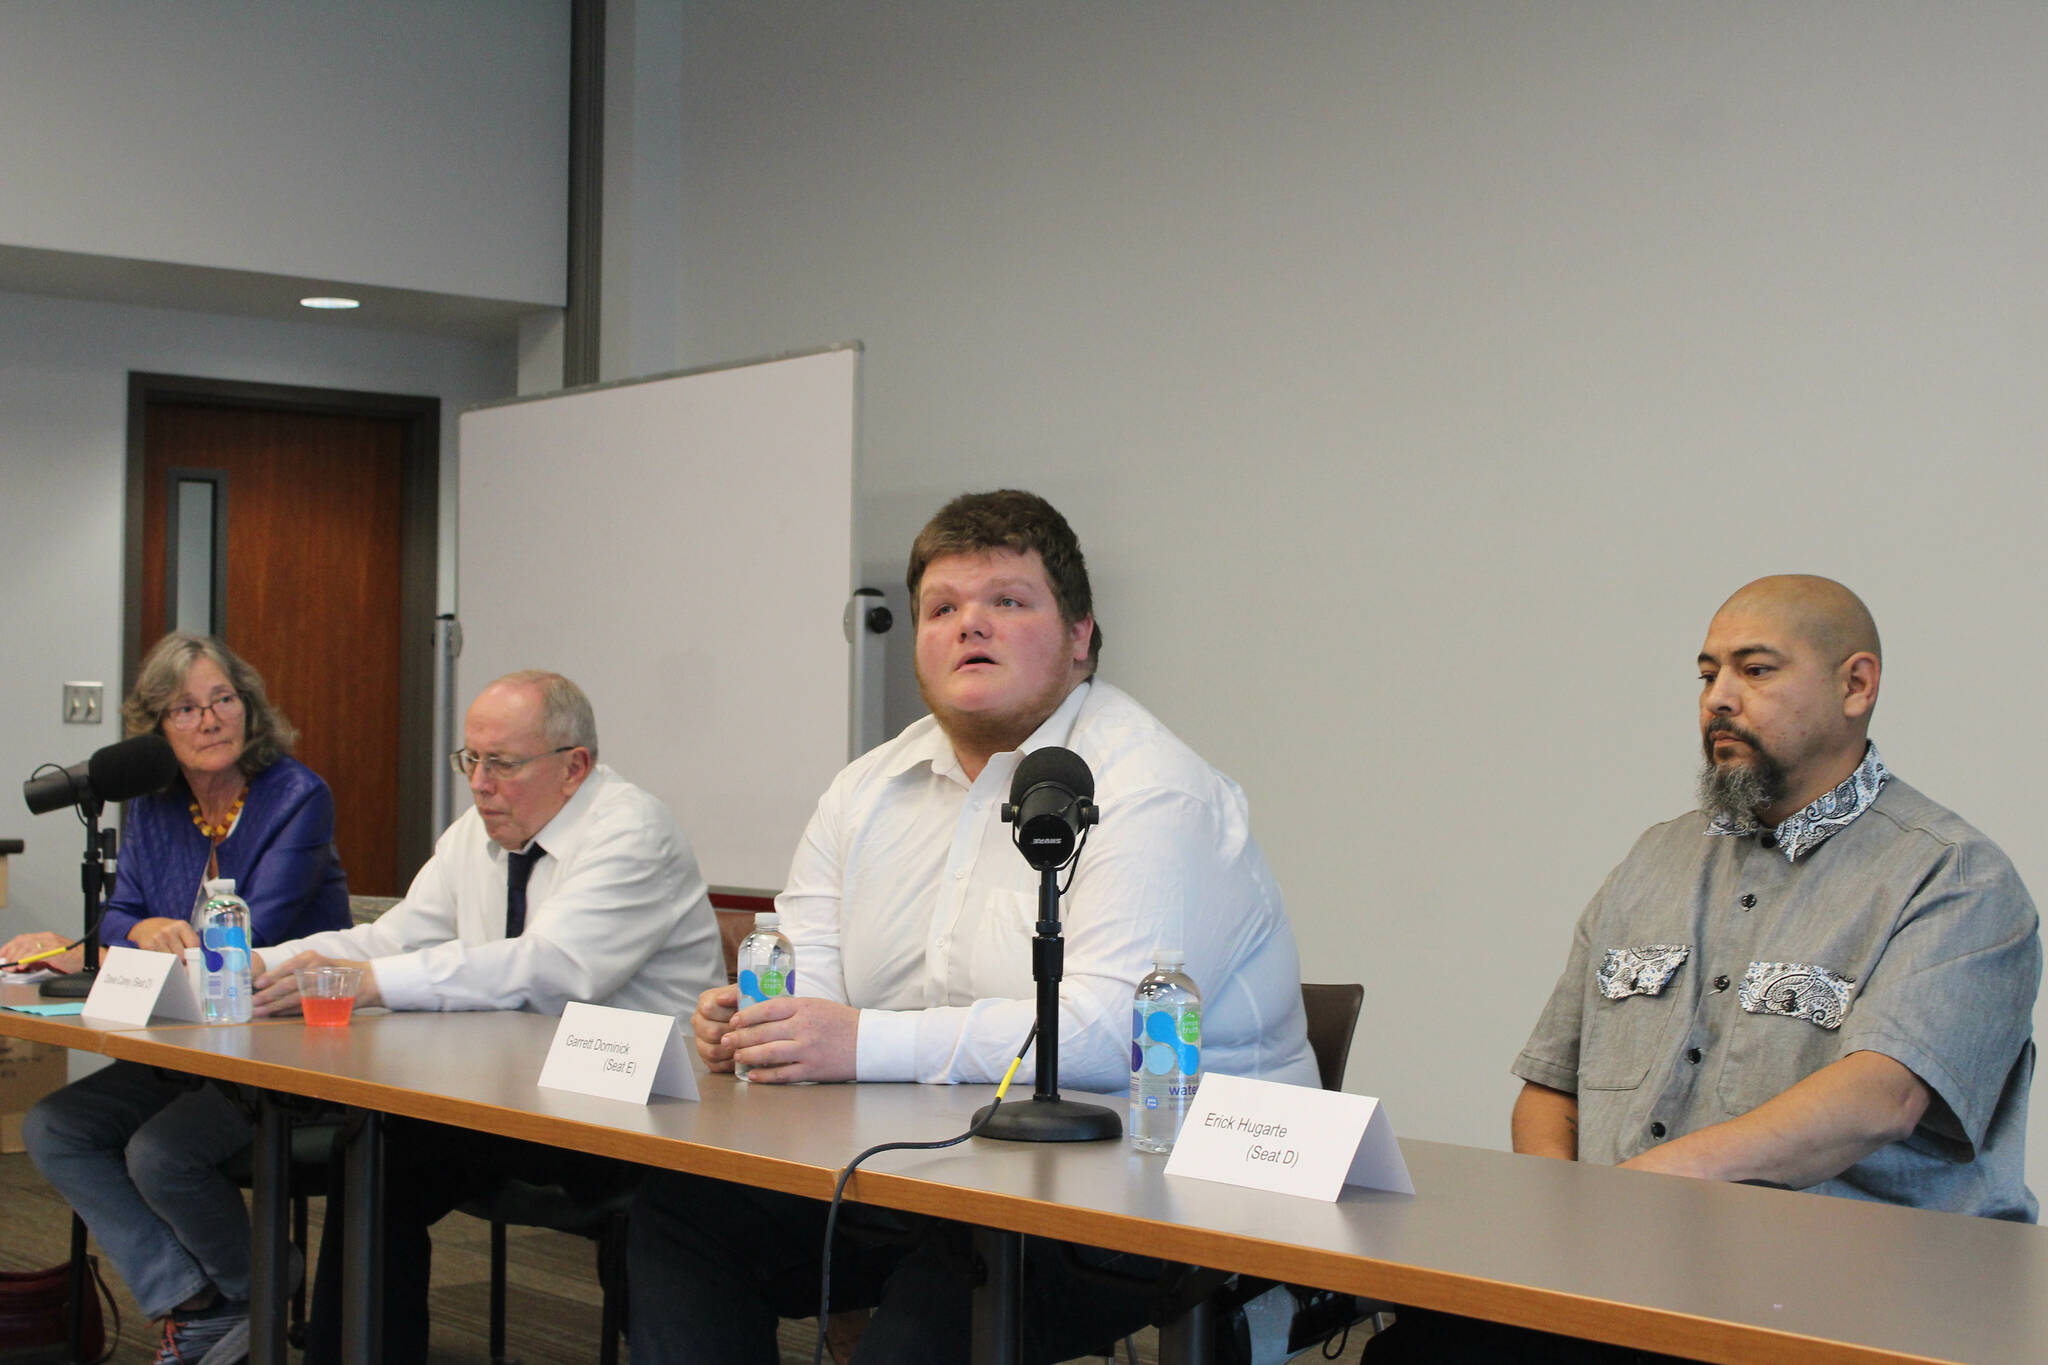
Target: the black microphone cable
(1073, 866)
(839, 1189)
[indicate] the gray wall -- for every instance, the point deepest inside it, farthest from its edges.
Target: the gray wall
(1420, 378)
(370, 143)
(374, 142)
(64, 369)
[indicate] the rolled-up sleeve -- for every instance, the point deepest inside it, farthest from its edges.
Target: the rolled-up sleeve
(1952, 999)
(1551, 1056)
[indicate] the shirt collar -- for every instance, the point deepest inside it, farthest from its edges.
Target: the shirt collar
(1806, 830)
(563, 833)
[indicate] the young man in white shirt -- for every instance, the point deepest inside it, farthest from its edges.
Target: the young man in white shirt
(911, 915)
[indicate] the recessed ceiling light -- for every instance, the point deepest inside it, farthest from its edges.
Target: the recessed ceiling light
(330, 303)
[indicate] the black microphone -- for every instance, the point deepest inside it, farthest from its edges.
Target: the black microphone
(133, 767)
(1050, 806)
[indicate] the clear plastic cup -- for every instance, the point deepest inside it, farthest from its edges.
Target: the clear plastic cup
(327, 994)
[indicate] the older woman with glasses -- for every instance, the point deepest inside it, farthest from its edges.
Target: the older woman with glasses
(139, 1156)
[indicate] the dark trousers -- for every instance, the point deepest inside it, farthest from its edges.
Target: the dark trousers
(429, 1169)
(1443, 1339)
(712, 1266)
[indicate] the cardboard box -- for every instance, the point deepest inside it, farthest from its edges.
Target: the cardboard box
(28, 1071)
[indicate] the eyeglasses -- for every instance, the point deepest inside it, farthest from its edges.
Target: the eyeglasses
(467, 761)
(225, 708)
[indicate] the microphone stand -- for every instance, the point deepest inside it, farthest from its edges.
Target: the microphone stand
(92, 879)
(1045, 1117)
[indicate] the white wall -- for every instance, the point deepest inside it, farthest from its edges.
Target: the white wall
(63, 462)
(373, 142)
(1420, 378)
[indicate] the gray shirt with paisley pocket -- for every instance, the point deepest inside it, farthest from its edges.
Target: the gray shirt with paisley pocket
(1710, 974)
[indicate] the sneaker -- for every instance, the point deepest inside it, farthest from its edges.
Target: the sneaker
(232, 1348)
(188, 1338)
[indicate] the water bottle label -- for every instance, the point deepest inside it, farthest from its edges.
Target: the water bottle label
(1168, 1041)
(225, 946)
(756, 987)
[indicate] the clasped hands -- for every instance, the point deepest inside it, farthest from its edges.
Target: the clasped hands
(277, 988)
(784, 1040)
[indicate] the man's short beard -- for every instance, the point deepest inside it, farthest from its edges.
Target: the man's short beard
(1735, 790)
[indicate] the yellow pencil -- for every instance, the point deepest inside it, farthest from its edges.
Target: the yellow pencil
(38, 957)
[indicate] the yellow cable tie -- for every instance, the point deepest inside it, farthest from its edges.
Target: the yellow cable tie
(1015, 1062)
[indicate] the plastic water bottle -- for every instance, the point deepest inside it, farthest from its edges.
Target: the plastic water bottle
(227, 997)
(767, 966)
(1166, 1053)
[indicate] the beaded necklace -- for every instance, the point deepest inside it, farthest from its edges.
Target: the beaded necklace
(218, 832)
(215, 833)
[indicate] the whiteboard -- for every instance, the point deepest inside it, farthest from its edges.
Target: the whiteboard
(682, 546)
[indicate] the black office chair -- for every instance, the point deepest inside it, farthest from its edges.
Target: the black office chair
(550, 1206)
(312, 1158)
(1332, 1018)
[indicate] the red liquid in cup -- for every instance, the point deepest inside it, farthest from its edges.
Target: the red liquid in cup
(326, 1012)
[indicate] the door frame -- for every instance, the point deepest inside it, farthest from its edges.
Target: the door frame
(418, 556)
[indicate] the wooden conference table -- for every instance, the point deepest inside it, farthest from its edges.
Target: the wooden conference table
(1712, 1271)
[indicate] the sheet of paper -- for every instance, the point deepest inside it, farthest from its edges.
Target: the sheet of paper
(619, 1054)
(1290, 1139)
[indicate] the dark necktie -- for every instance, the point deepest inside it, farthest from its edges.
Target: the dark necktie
(519, 871)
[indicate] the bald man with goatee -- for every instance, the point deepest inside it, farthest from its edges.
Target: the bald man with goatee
(1820, 979)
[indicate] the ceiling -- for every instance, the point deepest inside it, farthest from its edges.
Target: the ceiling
(245, 293)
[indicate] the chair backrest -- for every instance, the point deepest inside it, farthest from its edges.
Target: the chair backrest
(366, 909)
(736, 911)
(733, 925)
(1332, 1018)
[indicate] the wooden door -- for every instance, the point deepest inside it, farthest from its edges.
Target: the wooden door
(308, 511)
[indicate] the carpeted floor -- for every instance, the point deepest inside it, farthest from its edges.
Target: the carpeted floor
(552, 1277)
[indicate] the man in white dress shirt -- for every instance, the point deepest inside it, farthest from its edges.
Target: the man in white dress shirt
(563, 882)
(911, 914)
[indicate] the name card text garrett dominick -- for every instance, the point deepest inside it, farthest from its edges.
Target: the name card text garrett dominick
(619, 1055)
(620, 1059)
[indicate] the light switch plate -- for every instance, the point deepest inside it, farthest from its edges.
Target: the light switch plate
(82, 703)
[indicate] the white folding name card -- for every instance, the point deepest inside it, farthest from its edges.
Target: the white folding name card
(1291, 1139)
(184, 990)
(129, 981)
(619, 1055)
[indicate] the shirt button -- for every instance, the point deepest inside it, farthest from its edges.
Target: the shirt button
(958, 873)
(1720, 983)
(1657, 1130)
(1748, 900)
(1692, 1054)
